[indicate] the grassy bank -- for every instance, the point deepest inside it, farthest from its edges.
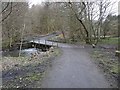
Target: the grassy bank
(108, 63)
(26, 72)
(110, 40)
(60, 39)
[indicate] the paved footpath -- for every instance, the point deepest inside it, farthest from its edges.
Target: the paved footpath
(74, 69)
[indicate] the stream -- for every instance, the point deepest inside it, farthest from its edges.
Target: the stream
(24, 52)
(28, 49)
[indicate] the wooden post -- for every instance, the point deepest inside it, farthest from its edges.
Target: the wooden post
(45, 42)
(117, 53)
(45, 45)
(57, 44)
(34, 42)
(39, 41)
(33, 39)
(52, 43)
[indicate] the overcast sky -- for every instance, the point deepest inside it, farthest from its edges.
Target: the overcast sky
(114, 8)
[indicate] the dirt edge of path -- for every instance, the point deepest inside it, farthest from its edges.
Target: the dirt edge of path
(105, 60)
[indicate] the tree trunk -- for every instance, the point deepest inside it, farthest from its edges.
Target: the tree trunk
(63, 35)
(81, 22)
(22, 31)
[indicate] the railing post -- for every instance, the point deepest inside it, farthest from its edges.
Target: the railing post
(33, 39)
(39, 41)
(57, 44)
(45, 45)
(45, 42)
(33, 46)
(52, 43)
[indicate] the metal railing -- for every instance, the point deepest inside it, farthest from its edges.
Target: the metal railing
(46, 42)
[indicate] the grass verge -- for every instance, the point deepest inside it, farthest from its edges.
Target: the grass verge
(110, 40)
(106, 60)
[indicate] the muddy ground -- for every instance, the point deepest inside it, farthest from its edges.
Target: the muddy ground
(26, 72)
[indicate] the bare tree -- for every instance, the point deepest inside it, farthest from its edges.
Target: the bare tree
(22, 32)
(91, 16)
(78, 17)
(13, 23)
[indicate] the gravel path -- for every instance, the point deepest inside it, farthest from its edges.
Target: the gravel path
(74, 69)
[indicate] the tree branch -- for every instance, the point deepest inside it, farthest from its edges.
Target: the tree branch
(7, 14)
(87, 33)
(5, 7)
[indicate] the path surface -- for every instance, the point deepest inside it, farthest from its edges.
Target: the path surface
(74, 69)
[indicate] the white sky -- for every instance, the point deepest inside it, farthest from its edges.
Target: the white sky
(35, 2)
(114, 9)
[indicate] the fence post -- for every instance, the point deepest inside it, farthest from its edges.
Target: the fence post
(33, 39)
(45, 45)
(33, 46)
(52, 43)
(39, 41)
(57, 44)
(45, 42)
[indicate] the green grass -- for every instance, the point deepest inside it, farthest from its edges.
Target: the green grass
(34, 77)
(111, 66)
(112, 41)
(57, 39)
